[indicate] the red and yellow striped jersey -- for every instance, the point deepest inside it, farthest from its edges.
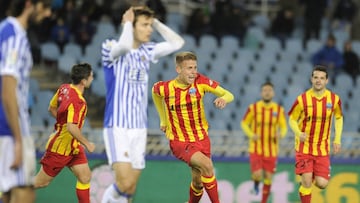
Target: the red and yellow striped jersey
(71, 108)
(267, 121)
(314, 115)
(184, 108)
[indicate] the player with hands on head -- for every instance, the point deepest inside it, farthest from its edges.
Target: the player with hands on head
(180, 106)
(126, 63)
(310, 118)
(264, 123)
(65, 146)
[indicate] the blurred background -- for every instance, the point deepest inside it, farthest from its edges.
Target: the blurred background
(239, 43)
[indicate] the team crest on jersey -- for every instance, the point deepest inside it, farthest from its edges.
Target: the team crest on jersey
(192, 91)
(143, 58)
(12, 57)
(328, 105)
(274, 114)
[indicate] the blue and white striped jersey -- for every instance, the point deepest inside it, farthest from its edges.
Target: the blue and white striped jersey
(126, 80)
(15, 60)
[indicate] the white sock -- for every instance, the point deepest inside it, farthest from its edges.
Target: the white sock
(111, 196)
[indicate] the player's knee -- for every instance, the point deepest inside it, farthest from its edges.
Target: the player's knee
(126, 186)
(208, 168)
(85, 178)
(38, 184)
(321, 185)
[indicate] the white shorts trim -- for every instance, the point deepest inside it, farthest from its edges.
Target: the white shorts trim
(24, 176)
(126, 145)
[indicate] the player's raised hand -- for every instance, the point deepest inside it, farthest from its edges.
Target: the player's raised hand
(128, 15)
(220, 103)
(163, 128)
(255, 137)
(303, 137)
(337, 148)
(90, 147)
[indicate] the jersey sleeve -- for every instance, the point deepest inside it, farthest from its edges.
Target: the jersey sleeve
(339, 121)
(54, 100)
(282, 122)
(10, 62)
(295, 110)
(246, 121)
(157, 97)
(338, 109)
(105, 53)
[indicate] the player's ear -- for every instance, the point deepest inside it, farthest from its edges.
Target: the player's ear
(178, 69)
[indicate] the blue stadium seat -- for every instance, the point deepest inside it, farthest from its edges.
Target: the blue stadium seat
(267, 57)
(303, 81)
(176, 21)
(304, 69)
(289, 56)
(41, 106)
(66, 62)
(356, 46)
(34, 85)
(313, 45)
(294, 45)
(73, 50)
(208, 42)
(285, 68)
(229, 42)
(190, 43)
(49, 51)
(292, 92)
(246, 55)
(153, 121)
(345, 81)
(351, 121)
(98, 87)
(280, 82)
(272, 44)
(104, 30)
(93, 60)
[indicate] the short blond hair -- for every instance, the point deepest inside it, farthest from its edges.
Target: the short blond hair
(183, 56)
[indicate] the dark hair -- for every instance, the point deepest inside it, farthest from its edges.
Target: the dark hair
(143, 11)
(267, 83)
(80, 71)
(331, 37)
(320, 68)
(18, 6)
(185, 55)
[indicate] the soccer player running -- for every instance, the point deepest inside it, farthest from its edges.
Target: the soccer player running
(179, 103)
(126, 64)
(264, 123)
(310, 118)
(65, 146)
(17, 149)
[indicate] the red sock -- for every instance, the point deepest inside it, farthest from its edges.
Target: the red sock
(210, 185)
(305, 198)
(265, 193)
(83, 192)
(305, 194)
(195, 194)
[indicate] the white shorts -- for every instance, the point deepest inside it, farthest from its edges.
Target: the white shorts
(126, 145)
(24, 176)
